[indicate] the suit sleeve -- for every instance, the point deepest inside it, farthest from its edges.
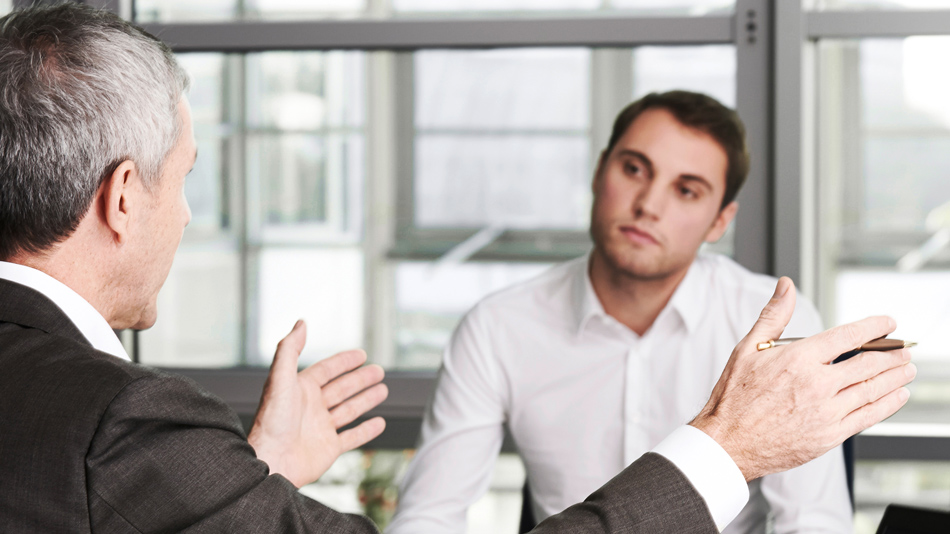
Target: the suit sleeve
(650, 496)
(168, 457)
(461, 437)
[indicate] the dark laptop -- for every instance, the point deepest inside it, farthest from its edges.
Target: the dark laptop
(907, 520)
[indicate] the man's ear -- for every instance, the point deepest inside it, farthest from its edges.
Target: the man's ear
(118, 194)
(719, 226)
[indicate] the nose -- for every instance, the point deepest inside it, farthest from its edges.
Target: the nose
(650, 200)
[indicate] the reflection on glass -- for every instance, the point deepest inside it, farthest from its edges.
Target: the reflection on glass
(323, 287)
(705, 69)
(431, 299)
(305, 90)
(883, 202)
(199, 322)
(880, 483)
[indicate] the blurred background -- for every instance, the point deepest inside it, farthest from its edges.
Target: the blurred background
(378, 166)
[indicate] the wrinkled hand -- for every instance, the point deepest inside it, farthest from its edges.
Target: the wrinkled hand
(779, 408)
(296, 428)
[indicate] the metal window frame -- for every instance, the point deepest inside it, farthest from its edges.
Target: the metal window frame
(797, 160)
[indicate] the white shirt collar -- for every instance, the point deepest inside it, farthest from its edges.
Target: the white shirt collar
(688, 300)
(86, 318)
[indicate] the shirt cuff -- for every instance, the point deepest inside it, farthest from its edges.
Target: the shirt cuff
(710, 469)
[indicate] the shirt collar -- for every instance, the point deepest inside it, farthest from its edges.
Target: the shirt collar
(86, 318)
(688, 300)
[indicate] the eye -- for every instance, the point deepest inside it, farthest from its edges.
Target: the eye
(686, 192)
(631, 168)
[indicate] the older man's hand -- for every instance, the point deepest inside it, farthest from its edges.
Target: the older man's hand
(296, 430)
(779, 408)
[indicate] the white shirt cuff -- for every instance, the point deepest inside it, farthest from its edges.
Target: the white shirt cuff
(710, 469)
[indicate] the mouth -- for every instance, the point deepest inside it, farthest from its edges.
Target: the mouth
(638, 236)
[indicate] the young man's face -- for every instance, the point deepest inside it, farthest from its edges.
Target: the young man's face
(657, 197)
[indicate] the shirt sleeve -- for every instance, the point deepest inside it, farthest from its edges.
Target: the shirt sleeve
(461, 437)
(709, 469)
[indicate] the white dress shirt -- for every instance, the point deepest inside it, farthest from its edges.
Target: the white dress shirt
(584, 396)
(87, 319)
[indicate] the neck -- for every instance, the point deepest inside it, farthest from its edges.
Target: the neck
(70, 263)
(634, 301)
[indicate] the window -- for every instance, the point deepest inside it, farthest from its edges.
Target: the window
(881, 133)
(277, 212)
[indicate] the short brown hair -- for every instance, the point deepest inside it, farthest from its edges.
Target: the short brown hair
(705, 114)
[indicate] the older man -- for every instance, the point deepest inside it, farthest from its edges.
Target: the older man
(95, 144)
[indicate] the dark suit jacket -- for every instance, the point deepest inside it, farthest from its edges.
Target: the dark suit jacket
(92, 443)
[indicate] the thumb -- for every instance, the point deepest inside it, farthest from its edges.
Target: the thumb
(289, 349)
(776, 314)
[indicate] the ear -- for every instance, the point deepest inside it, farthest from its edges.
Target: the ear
(119, 193)
(719, 226)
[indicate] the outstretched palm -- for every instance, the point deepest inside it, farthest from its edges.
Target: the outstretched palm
(296, 430)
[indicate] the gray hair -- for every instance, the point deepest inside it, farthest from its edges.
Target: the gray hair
(81, 92)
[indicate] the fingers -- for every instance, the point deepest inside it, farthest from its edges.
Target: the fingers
(776, 314)
(349, 410)
(869, 391)
(289, 349)
(867, 365)
(361, 434)
(872, 414)
(352, 383)
(840, 339)
(330, 368)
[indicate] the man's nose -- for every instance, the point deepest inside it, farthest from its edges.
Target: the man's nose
(650, 200)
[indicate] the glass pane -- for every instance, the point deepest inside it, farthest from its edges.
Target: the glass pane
(305, 90)
(884, 202)
(644, 7)
(432, 298)
(705, 69)
(504, 89)
(879, 483)
(184, 10)
(511, 181)
(883, 4)
(307, 187)
(222, 10)
(199, 321)
(494, 5)
(322, 286)
(199, 317)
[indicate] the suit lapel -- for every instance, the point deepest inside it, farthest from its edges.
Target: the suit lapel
(28, 307)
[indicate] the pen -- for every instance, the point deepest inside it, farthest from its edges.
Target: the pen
(881, 344)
